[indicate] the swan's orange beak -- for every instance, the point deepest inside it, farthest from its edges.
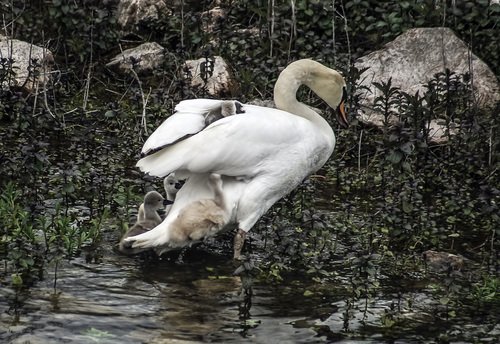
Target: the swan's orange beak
(341, 115)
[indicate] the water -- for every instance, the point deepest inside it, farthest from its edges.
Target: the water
(121, 300)
(198, 299)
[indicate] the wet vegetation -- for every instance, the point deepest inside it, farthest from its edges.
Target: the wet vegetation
(357, 229)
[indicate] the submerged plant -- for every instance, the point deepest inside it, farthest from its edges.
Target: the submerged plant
(20, 247)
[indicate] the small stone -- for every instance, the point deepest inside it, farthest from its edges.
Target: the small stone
(212, 73)
(147, 57)
(133, 12)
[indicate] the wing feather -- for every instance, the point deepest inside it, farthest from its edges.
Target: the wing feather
(188, 119)
(237, 145)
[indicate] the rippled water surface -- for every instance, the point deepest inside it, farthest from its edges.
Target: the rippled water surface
(198, 299)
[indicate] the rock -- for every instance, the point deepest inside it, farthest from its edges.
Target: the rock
(148, 56)
(133, 12)
(412, 59)
(216, 72)
(23, 55)
(443, 261)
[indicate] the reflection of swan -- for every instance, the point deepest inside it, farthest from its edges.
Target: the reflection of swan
(262, 154)
(149, 219)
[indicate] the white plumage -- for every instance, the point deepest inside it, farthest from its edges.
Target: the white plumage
(262, 154)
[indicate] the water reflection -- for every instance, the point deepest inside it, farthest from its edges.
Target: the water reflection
(207, 298)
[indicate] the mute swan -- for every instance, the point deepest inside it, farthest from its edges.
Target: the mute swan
(201, 218)
(262, 154)
(153, 201)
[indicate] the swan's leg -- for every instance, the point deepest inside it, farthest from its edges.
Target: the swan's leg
(239, 240)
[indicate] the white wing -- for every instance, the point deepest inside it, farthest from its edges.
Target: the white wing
(188, 119)
(240, 145)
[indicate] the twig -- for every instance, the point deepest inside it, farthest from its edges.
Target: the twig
(45, 84)
(490, 175)
(87, 82)
(47, 103)
(293, 28)
(112, 91)
(271, 29)
(36, 97)
(13, 20)
(144, 105)
(359, 151)
(346, 28)
(70, 111)
(144, 101)
(490, 144)
(333, 35)
(182, 24)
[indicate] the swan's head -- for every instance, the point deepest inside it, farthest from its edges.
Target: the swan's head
(327, 83)
(330, 86)
(153, 200)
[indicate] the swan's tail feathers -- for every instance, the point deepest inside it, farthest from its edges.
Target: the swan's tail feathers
(151, 239)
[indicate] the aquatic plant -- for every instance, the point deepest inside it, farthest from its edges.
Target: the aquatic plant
(19, 246)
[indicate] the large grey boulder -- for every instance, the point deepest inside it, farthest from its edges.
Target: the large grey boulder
(129, 13)
(413, 58)
(31, 65)
(216, 73)
(147, 57)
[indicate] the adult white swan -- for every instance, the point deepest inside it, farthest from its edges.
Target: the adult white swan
(262, 153)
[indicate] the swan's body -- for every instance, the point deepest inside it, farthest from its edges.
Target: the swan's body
(146, 221)
(263, 153)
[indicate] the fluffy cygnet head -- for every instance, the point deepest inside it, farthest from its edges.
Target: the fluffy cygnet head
(153, 201)
(172, 186)
(226, 108)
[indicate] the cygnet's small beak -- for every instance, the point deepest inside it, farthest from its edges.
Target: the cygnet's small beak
(167, 202)
(179, 184)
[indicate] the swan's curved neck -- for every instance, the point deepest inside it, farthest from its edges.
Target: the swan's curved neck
(285, 92)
